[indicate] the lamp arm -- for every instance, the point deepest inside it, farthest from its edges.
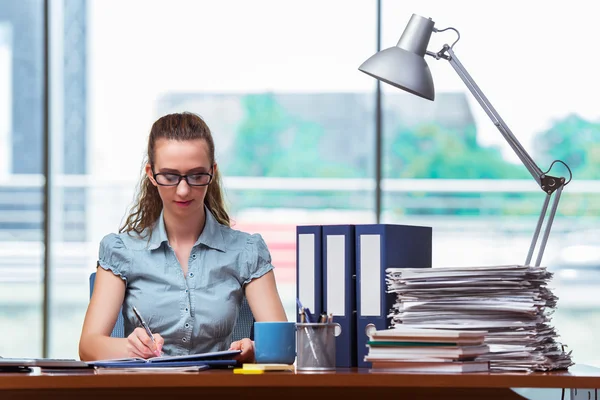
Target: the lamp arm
(525, 158)
(548, 184)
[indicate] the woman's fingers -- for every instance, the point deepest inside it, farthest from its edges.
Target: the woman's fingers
(160, 342)
(247, 348)
(133, 352)
(142, 343)
(147, 341)
(133, 347)
(237, 345)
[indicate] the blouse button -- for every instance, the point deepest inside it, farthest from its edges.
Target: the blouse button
(191, 274)
(193, 256)
(187, 325)
(186, 309)
(184, 339)
(186, 290)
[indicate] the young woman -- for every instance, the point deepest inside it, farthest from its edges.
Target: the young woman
(177, 260)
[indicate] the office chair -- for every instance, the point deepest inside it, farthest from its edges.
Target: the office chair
(244, 325)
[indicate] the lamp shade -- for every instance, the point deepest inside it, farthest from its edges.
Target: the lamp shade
(403, 65)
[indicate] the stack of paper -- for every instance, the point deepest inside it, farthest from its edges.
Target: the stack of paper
(512, 303)
(426, 350)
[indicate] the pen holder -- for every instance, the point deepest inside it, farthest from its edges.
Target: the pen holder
(316, 346)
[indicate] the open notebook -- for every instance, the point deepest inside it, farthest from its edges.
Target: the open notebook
(216, 358)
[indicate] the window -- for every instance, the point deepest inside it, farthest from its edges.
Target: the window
(295, 125)
(269, 79)
(21, 195)
(443, 160)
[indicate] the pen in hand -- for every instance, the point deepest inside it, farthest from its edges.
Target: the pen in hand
(146, 328)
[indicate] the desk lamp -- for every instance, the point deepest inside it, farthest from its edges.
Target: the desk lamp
(404, 67)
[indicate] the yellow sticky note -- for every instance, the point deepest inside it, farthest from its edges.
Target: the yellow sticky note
(268, 367)
(243, 371)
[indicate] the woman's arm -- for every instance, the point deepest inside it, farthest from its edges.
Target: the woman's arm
(265, 304)
(95, 342)
(100, 318)
(264, 300)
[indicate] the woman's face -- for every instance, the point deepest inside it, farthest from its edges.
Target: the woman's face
(190, 158)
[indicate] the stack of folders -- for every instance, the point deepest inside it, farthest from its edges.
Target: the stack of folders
(512, 303)
(426, 350)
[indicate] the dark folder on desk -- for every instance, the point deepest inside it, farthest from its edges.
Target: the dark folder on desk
(203, 364)
(339, 288)
(46, 364)
(216, 358)
(378, 247)
(309, 267)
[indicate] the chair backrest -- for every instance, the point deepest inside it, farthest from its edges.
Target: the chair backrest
(244, 325)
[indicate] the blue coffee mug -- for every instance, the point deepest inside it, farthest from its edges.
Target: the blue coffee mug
(275, 342)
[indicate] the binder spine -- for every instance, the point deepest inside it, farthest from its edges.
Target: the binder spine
(309, 268)
(379, 247)
(339, 288)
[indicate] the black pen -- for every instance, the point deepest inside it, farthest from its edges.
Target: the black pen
(143, 323)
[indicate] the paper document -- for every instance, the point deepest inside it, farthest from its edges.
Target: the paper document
(153, 370)
(511, 303)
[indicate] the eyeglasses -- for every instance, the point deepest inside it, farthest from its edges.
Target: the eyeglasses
(168, 179)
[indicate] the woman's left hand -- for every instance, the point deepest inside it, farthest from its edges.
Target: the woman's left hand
(247, 347)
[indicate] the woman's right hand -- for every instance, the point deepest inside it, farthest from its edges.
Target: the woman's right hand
(139, 344)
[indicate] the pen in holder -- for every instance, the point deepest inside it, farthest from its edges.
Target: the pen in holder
(316, 346)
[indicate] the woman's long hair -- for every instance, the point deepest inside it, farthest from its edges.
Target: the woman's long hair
(148, 205)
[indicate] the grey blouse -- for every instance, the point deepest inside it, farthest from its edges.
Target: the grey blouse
(194, 313)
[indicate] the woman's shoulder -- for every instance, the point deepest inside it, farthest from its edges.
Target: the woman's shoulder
(125, 241)
(238, 238)
(255, 258)
(112, 240)
(251, 246)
